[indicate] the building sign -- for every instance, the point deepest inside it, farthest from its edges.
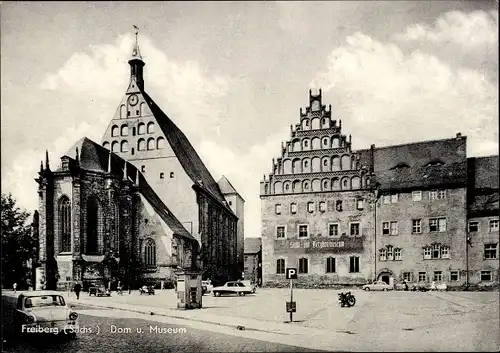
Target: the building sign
(342, 244)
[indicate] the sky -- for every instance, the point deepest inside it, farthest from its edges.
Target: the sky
(234, 75)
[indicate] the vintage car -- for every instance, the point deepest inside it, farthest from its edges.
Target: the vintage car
(98, 290)
(250, 285)
(378, 285)
(232, 287)
(206, 287)
(44, 312)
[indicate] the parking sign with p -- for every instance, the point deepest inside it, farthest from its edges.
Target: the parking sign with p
(291, 273)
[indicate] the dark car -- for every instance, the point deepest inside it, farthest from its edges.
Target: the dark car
(98, 290)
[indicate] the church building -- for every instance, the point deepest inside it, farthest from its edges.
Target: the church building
(420, 212)
(155, 207)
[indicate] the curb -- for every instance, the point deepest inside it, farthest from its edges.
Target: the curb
(238, 327)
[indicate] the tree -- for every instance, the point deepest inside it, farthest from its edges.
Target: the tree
(18, 245)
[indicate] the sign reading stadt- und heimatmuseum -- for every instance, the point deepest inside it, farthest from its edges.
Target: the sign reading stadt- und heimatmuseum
(342, 244)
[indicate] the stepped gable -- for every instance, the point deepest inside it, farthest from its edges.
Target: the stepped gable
(186, 154)
(94, 157)
(421, 165)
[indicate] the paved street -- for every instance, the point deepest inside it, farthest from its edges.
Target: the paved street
(150, 339)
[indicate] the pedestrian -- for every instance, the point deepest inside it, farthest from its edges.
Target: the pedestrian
(77, 289)
(15, 287)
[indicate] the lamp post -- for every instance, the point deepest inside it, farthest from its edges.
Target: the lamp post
(374, 200)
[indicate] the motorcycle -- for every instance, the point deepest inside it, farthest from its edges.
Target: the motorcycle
(346, 299)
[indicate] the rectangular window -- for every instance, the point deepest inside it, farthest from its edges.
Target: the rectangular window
(490, 251)
(310, 207)
(438, 276)
(416, 196)
(386, 230)
(398, 254)
(338, 205)
(437, 225)
(427, 253)
(354, 229)
(485, 276)
(433, 195)
(280, 232)
(407, 276)
(494, 225)
(394, 198)
(383, 254)
(390, 254)
(436, 251)
(387, 199)
(445, 252)
(278, 209)
(354, 264)
(333, 230)
(293, 208)
(303, 230)
(280, 266)
(322, 206)
(454, 276)
(422, 277)
(330, 265)
(416, 226)
(473, 226)
(303, 265)
(394, 228)
(441, 194)
(359, 204)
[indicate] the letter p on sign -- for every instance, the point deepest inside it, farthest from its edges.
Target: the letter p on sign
(291, 273)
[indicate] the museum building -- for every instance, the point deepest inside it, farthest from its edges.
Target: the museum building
(408, 212)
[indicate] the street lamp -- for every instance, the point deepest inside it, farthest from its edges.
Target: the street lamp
(373, 199)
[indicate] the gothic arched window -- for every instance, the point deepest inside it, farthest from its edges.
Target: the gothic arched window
(141, 145)
(124, 146)
(151, 128)
(150, 253)
(65, 224)
(141, 129)
(151, 144)
(114, 131)
(124, 130)
(160, 143)
(115, 146)
(92, 225)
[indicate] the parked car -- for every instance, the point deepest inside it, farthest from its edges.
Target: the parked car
(44, 312)
(206, 287)
(232, 287)
(98, 290)
(378, 285)
(249, 284)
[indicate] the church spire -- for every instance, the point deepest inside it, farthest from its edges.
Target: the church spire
(136, 63)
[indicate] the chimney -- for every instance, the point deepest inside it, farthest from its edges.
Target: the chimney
(459, 135)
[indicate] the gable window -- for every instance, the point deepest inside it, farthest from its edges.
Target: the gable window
(280, 266)
(338, 205)
(162, 175)
(422, 276)
(150, 253)
(151, 128)
(303, 230)
(416, 226)
(172, 175)
(394, 198)
(151, 144)
(407, 276)
(306, 186)
(330, 265)
(354, 229)
(124, 130)
(354, 264)
(160, 143)
(382, 254)
(303, 265)
(437, 224)
(65, 224)
(398, 254)
(454, 276)
(485, 276)
(143, 168)
(277, 209)
(293, 208)
(322, 206)
(280, 232)
(310, 207)
(494, 225)
(141, 145)
(333, 230)
(438, 276)
(473, 226)
(416, 196)
(114, 131)
(490, 251)
(141, 129)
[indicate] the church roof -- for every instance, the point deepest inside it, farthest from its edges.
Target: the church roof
(94, 157)
(186, 154)
(419, 165)
(227, 188)
(252, 245)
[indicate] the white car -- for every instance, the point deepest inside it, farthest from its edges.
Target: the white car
(41, 312)
(206, 287)
(378, 285)
(232, 287)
